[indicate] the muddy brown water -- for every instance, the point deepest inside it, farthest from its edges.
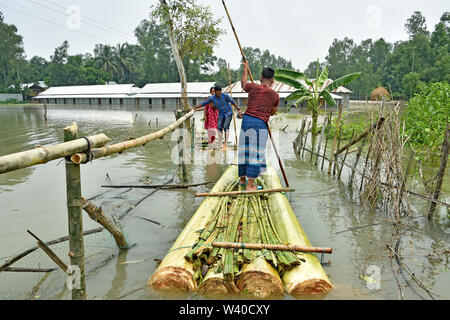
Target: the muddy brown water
(34, 199)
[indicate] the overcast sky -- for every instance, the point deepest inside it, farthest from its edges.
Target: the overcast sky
(298, 30)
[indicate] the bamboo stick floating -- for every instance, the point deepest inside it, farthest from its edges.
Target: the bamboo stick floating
(154, 186)
(30, 270)
(243, 193)
(333, 148)
(50, 253)
(23, 254)
(122, 146)
(45, 154)
(279, 247)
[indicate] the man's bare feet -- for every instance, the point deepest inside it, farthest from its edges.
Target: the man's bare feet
(251, 185)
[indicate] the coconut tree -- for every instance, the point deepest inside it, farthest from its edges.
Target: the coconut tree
(312, 92)
(106, 60)
(126, 60)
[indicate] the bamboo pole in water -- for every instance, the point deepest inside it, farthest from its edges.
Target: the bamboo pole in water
(308, 277)
(74, 209)
(320, 140)
(45, 154)
(122, 146)
(50, 253)
(335, 138)
(23, 254)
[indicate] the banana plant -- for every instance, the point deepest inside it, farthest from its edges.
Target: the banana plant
(312, 91)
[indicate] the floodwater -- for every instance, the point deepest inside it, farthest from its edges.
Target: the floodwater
(34, 199)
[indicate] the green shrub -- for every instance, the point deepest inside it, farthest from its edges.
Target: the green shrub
(427, 115)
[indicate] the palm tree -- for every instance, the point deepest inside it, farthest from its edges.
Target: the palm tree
(106, 60)
(127, 59)
(312, 91)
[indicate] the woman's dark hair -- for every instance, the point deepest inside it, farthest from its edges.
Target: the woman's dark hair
(212, 88)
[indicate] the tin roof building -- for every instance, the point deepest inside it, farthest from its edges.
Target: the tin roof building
(285, 90)
(155, 94)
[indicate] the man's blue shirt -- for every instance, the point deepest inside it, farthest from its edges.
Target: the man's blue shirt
(222, 104)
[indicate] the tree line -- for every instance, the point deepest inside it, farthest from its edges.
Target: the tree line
(400, 67)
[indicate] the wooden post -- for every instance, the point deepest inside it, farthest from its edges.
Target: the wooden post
(181, 148)
(441, 173)
(299, 141)
(324, 151)
(306, 139)
(345, 157)
(365, 165)
(320, 140)
(336, 156)
(358, 156)
(74, 209)
(333, 148)
(45, 111)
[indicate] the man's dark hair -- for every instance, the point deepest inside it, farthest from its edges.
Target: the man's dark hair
(217, 88)
(268, 73)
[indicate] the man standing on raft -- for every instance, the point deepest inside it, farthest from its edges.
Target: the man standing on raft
(222, 101)
(263, 102)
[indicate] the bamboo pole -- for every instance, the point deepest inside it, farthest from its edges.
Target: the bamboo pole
(261, 246)
(45, 154)
(306, 139)
(441, 172)
(335, 138)
(240, 193)
(31, 270)
(320, 140)
(50, 253)
(374, 126)
(155, 186)
(74, 209)
(234, 116)
(122, 146)
(299, 141)
(408, 191)
(23, 254)
(100, 217)
(345, 157)
(45, 112)
(324, 150)
(358, 156)
(336, 155)
(181, 147)
(365, 164)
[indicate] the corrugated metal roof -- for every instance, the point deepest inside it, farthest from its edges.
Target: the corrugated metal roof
(283, 89)
(175, 87)
(94, 90)
(84, 96)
